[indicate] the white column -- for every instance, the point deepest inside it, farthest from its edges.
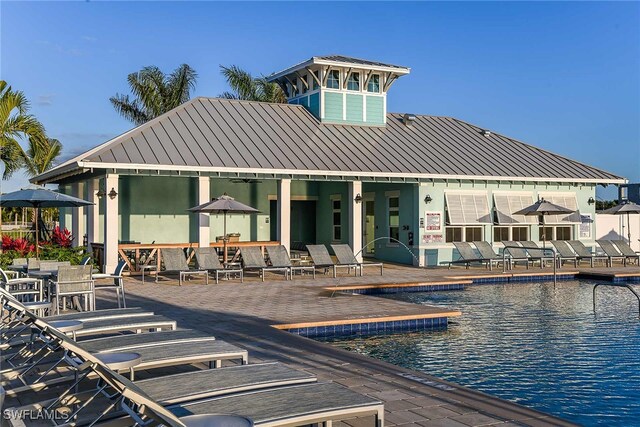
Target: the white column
(77, 215)
(284, 212)
(93, 211)
(111, 222)
(355, 217)
(204, 196)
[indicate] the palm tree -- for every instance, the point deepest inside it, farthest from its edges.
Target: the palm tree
(245, 86)
(40, 156)
(154, 93)
(16, 125)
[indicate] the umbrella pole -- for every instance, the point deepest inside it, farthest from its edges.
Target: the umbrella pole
(224, 240)
(629, 228)
(35, 212)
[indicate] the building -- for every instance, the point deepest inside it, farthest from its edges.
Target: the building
(629, 192)
(331, 166)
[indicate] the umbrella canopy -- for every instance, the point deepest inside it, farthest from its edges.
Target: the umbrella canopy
(628, 208)
(623, 208)
(40, 198)
(542, 207)
(223, 204)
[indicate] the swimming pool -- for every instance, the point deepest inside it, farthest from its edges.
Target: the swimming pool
(531, 344)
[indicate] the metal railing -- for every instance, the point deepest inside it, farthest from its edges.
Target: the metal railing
(556, 258)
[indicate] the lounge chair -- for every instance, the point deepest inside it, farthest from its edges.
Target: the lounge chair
(345, 255)
(207, 259)
(252, 259)
(536, 253)
(611, 252)
(321, 259)
(175, 261)
(279, 257)
(626, 250)
(118, 282)
(585, 253)
(516, 253)
(467, 255)
(487, 254)
(565, 253)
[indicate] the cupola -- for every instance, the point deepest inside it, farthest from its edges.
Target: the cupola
(341, 89)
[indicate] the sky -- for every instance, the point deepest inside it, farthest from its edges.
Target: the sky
(561, 76)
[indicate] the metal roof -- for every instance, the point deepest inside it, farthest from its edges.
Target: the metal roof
(211, 135)
(341, 61)
(358, 61)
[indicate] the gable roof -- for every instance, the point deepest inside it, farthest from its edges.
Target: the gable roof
(212, 135)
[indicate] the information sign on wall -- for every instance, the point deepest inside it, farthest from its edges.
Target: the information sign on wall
(433, 221)
(432, 238)
(585, 226)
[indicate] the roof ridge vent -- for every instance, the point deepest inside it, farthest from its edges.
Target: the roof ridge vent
(408, 119)
(486, 132)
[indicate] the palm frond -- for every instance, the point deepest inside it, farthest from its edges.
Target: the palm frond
(241, 82)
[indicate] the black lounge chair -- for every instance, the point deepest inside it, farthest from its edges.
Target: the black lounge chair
(345, 256)
(207, 259)
(252, 259)
(467, 255)
(626, 250)
(585, 253)
(278, 257)
(565, 253)
(175, 261)
(536, 253)
(487, 254)
(516, 253)
(611, 252)
(322, 260)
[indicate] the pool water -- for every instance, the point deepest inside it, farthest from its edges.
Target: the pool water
(531, 344)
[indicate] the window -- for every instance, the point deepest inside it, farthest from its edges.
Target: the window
(336, 206)
(315, 83)
(507, 203)
(374, 83)
(333, 79)
(567, 200)
(500, 234)
(301, 84)
(467, 208)
(353, 82)
(473, 234)
(563, 233)
(394, 217)
(453, 234)
(555, 233)
(293, 90)
(516, 234)
(520, 234)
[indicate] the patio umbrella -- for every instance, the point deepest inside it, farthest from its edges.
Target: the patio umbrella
(40, 198)
(624, 208)
(224, 204)
(540, 209)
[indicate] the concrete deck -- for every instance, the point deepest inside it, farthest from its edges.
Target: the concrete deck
(244, 313)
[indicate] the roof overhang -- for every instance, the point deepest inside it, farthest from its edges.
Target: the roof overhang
(80, 167)
(399, 70)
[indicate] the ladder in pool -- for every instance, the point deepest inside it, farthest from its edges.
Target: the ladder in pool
(625, 285)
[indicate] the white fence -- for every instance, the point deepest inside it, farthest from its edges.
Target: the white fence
(615, 227)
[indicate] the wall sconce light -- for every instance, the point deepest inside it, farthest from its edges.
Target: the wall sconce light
(358, 198)
(112, 193)
(100, 193)
(591, 200)
(428, 199)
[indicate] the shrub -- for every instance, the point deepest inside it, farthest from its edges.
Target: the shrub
(19, 245)
(61, 237)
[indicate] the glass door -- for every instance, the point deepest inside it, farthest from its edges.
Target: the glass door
(369, 226)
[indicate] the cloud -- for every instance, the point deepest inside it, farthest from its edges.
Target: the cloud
(89, 38)
(61, 49)
(45, 100)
